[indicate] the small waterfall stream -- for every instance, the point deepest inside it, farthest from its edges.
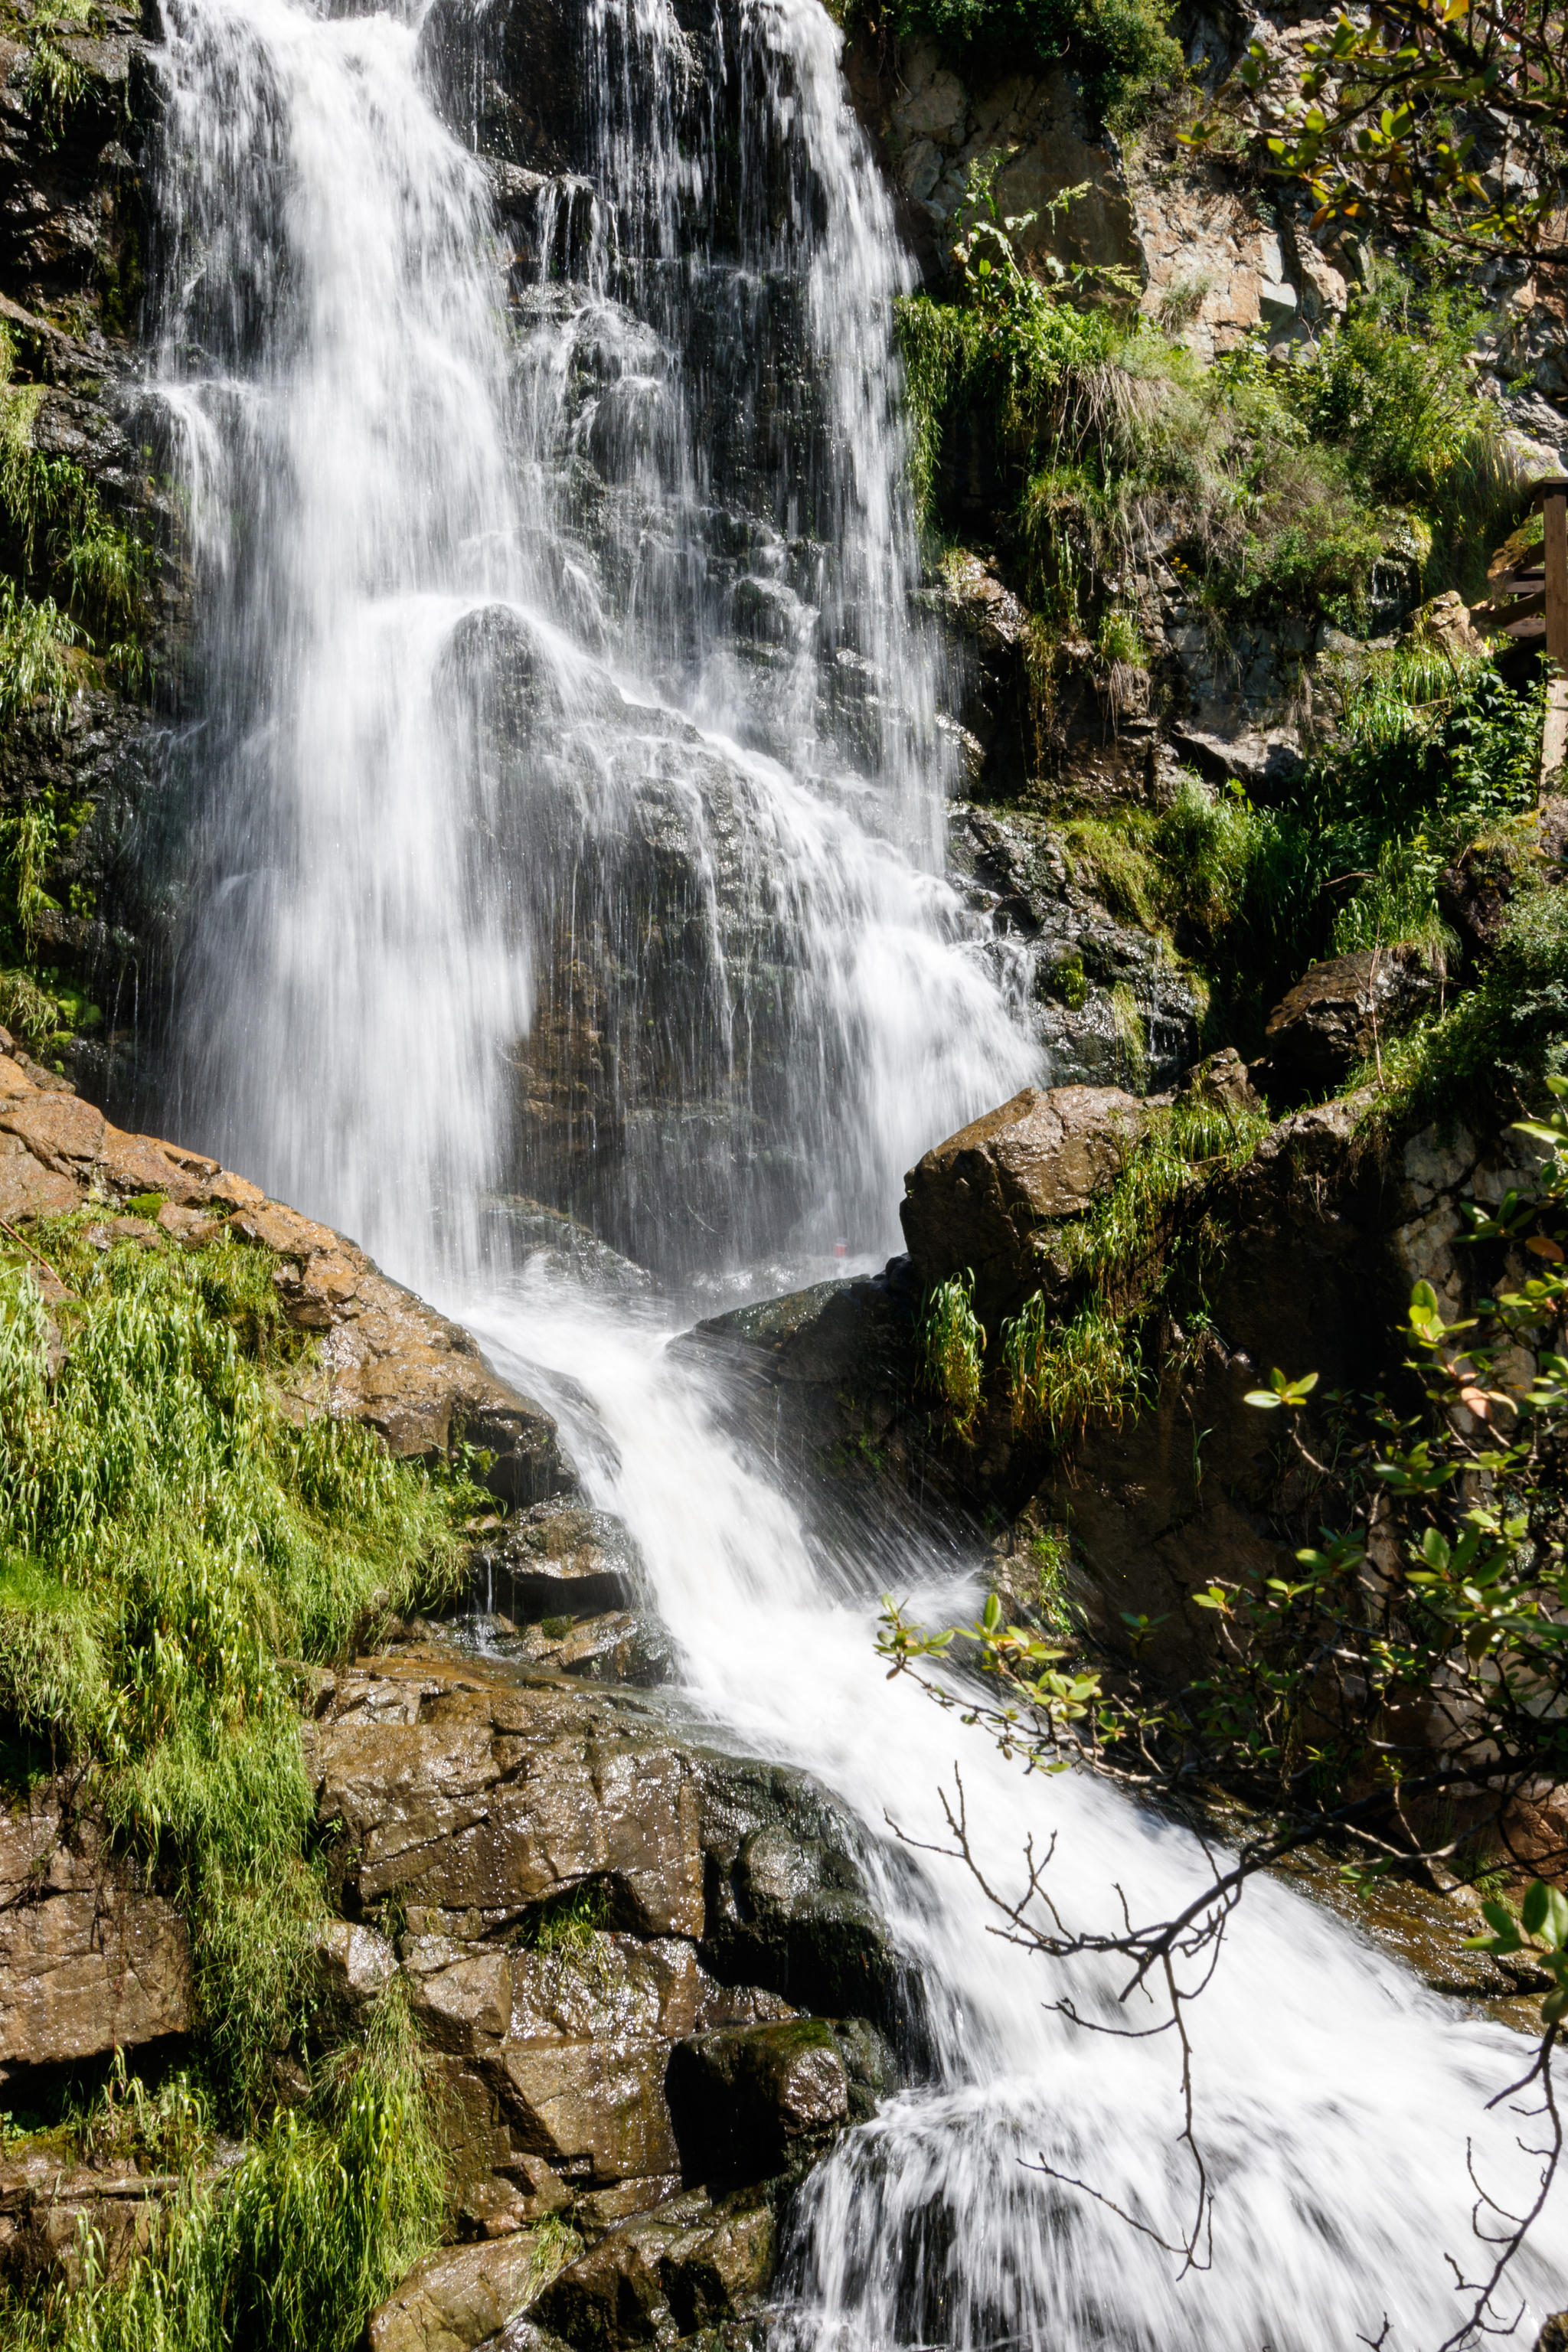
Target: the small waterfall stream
(563, 818)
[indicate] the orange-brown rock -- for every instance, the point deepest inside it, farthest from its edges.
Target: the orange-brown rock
(385, 1358)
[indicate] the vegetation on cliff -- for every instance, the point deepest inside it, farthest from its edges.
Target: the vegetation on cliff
(173, 1550)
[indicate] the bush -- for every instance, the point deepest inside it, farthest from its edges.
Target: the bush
(951, 1343)
(1122, 50)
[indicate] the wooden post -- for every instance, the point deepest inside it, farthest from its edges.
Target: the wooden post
(1553, 497)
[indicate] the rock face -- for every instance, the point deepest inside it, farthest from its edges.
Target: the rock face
(90, 1961)
(1111, 1004)
(686, 2267)
(748, 2099)
(384, 1357)
(981, 1200)
(580, 1892)
(459, 2297)
(1336, 1014)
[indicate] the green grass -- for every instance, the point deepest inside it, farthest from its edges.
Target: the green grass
(293, 2249)
(570, 1921)
(951, 1344)
(1060, 1376)
(168, 1540)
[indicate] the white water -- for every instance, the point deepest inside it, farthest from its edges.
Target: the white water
(474, 666)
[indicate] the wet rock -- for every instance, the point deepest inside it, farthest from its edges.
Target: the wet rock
(89, 1962)
(622, 1646)
(787, 1906)
(546, 1240)
(457, 2297)
(461, 1793)
(981, 1200)
(1112, 1004)
(1554, 2336)
(749, 2100)
(557, 1559)
(47, 2199)
(685, 2266)
(1333, 1017)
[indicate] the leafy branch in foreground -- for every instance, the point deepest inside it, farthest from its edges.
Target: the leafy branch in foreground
(1413, 1671)
(1382, 120)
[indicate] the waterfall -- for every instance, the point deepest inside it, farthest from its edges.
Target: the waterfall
(561, 817)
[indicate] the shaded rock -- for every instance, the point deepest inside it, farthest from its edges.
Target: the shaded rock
(557, 1559)
(89, 1962)
(979, 1201)
(749, 2100)
(1221, 1079)
(1332, 1018)
(787, 1906)
(684, 2266)
(1554, 2336)
(46, 2200)
(1476, 893)
(1111, 1004)
(457, 2297)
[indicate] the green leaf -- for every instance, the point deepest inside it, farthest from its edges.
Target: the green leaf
(1532, 1910)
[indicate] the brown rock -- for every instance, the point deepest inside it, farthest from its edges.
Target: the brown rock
(457, 2297)
(682, 2267)
(28, 1189)
(87, 1962)
(499, 1797)
(1445, 622)
(1333, 1017)
(1221, 1079)
(46, 2200)
(981, 1200)
(138, 1163)
(65, 1133)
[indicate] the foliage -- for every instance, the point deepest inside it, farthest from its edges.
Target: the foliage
(1392, 120)
(1498, 1038)
(1060, 1376)
(168, 1539)
(1274, 489)
(1121, 49)
(292, 2250)
(951, 1343)
(70, 574)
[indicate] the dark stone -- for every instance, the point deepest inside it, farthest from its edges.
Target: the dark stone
(1333, 1017)
(684, 2266)
(556, 1558)
(748, 2100)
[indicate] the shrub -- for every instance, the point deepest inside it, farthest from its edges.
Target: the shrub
(951, 1343)
(1123, 50)
(292, 2250)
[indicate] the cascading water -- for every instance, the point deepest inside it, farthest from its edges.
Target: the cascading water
(562, 810)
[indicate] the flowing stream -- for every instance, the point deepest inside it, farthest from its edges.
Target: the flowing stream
(562, 818)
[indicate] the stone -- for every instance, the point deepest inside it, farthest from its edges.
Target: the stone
(1554, 2336)
(46, 2200)
(353, 1964)
(1221, 1079)
(980, 1202)
(89, 1961)
(558, 1559)
(685, 2265)
(1333, 1017)
(1445, 622)
(457, 2297)
(748, 2099)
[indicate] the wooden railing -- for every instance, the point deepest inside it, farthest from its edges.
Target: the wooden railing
(1529, 602)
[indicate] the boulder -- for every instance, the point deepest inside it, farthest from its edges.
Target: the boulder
(557, 1559)
(461, 1793)
(89, 1961)
(982, 1201)
(750, 2101)
(685, 2266)
(1336, 1014)
(459, 2297)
